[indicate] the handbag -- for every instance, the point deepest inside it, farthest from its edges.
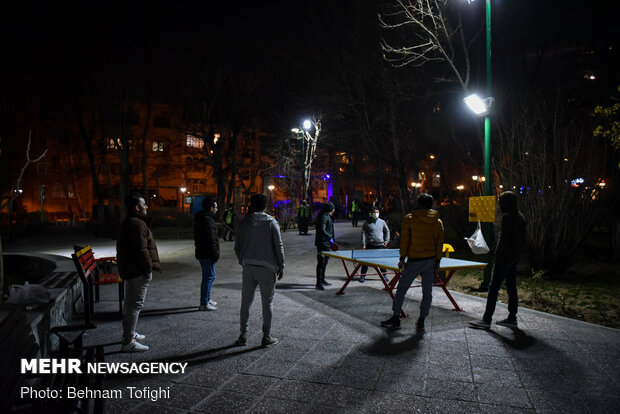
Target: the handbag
(476, 242)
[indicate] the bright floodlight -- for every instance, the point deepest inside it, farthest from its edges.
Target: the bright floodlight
(183, 189)
(307, 124)
(476, 104)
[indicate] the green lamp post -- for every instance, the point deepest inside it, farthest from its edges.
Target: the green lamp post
(481, 106)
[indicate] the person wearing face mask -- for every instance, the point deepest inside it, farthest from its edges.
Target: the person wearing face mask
(375, 235)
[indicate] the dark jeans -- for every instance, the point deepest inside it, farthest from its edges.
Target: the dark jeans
(364, 269)
(508, 271)
(354, 218)
(321, 264)
(303, 225)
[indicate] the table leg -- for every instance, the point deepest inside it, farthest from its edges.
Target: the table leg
(444, 285)
(349, 277)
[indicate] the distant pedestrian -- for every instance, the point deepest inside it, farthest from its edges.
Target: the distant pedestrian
(323, 240)
(259, 248)
(229, 223)
(207, 245)
(375, 235)
(137, 257)
(356, 210)
(303, 217)
(509, 246)
(421, 242)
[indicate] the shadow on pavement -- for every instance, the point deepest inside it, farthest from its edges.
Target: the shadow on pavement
(387, 345)
(195, 358)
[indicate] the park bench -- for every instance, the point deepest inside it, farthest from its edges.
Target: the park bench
(94, 273)
(16, 342)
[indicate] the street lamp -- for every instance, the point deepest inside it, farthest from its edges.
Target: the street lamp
(183, 190)
(486, 229)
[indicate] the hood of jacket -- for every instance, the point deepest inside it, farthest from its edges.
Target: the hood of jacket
(508, 202)
(426, 215)
(258, 219)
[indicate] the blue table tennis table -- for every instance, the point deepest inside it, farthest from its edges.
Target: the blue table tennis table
(387, 259)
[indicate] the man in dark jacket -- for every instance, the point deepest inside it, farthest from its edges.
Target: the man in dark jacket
(137, 257)
(207, 245)
(323, 239)
(509, 246)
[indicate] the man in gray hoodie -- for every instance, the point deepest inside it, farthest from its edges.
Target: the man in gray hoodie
(258, 247)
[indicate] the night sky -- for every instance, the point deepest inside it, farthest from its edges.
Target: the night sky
(47, 45)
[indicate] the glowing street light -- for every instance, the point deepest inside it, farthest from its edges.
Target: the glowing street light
(271, 187)
(478, 105)
(183, 190)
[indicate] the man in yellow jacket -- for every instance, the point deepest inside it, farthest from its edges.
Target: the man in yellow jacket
(421, 243)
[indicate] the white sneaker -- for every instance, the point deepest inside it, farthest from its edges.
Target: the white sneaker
(138, 336)
(134, 346)
(212, 303)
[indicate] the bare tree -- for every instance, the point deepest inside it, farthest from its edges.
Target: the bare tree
(220, 108)
(14, 193)
(547, 155)
(437, 37)
(309, 154)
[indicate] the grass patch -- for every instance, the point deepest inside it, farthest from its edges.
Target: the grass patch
(587, 296)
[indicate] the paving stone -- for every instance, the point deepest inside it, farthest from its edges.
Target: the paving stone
(225, 402)
(510, 396)
(249, 384)
(502, 409)
(295, 390)
(451, 390)
(345, 397)
(396, 403)
(498, 377)
(185, 396)
(441, 406)
(309, 372)
(277, 406)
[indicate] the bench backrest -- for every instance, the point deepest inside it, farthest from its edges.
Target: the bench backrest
(16, 342)
(85, 263)
(86, 266)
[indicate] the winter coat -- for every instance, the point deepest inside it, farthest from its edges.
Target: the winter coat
(136, 251)
(375, 232)
(512, 232)
(324, 231)
(421, 235)
(206, 237)
(259, 242)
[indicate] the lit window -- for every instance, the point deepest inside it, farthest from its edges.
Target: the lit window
(114, 143)
(158, 146)
(194, 142)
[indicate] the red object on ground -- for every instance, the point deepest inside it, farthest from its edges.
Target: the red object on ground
(334, 247)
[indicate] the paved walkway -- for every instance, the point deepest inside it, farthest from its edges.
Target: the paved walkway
(334, 357)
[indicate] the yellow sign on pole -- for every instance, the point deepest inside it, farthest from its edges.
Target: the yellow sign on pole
(482, 209)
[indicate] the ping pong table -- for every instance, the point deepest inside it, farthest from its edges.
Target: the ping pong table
(387, 259)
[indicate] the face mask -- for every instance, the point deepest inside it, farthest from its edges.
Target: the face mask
(375, 215)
